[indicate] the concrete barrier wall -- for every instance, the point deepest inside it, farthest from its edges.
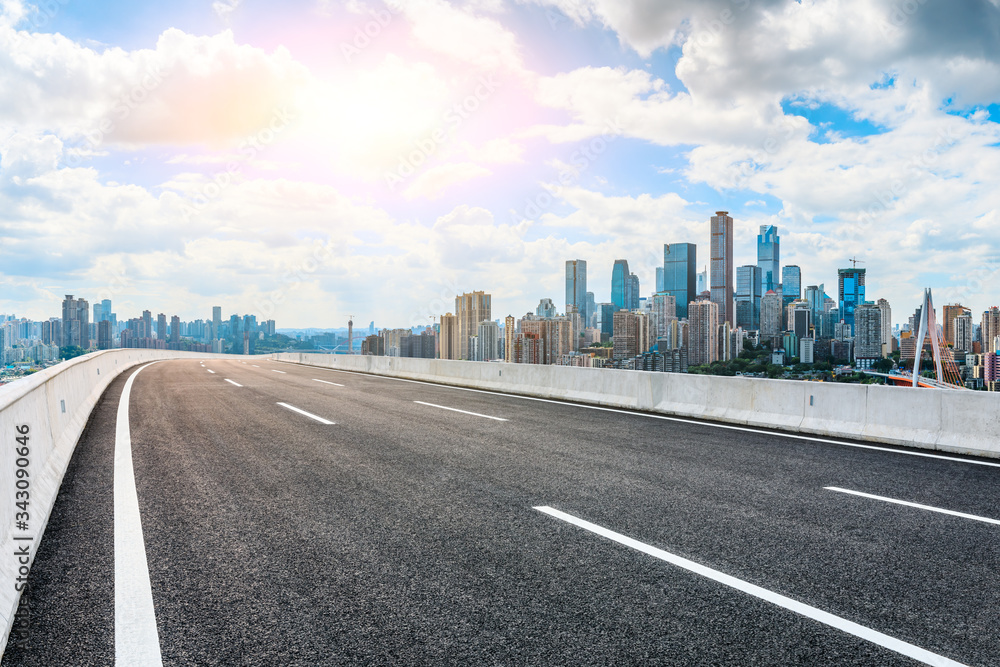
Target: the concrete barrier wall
(955, 421)
(55, 405)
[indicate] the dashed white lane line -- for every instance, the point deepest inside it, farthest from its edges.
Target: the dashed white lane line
(255, 365)
(681, 420)
(211, 371)
(136, 638)
(325, 382)
(808, 611)
(307, 414)
(274, 371)
(929, 508)
(235, 383)
(464, 412)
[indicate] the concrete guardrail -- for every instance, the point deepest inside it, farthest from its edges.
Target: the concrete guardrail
(963, 422)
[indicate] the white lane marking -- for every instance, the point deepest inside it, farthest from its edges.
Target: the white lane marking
(235, 383)
(255, 365)
(808, 611)
(211, 371)
(274, 371)
(307, 414)
(917, 505)
(325, 382)
(682, 420)
(136, 638)
(464, 412)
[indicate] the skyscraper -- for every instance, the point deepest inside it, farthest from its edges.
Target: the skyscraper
(851, 293)
(633, 292)
(449, 347)
(791, 283)
(161, 326)
(963, 332)
(621, 281)
(722, 265)
(885, 315)
(769, 256)
(508, 338)
(949, 313)
(576, 287)
(75, 322)
(470, 309)
(989, 330)
(703, 332)
(659, 277)
(591, 311)
(749, 290)
(680, 274)
(770, 316)
(217, 322)
(147, 324)
(867, 334)
(488, 334)
(175, 328)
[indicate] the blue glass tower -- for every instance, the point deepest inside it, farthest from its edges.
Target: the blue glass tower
(851, 293)
(791, 283)
(576, 287)
(769, 257)
(621, 285)
(680, 269)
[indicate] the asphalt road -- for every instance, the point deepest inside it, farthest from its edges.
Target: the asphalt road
(405, 532)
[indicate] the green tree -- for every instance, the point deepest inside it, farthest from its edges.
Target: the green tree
(71, 351)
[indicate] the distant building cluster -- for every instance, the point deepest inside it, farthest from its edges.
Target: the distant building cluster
(695, 318)
(84, 328)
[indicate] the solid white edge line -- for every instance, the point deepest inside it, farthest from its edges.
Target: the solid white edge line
(464, 412)
(681, 420)
(808, 611)
(307, 414)
(235, 383)
(282, 372)
(136, 638)
(929, 508)
(325, 382)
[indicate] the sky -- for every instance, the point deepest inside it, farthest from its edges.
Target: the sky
(313, 160)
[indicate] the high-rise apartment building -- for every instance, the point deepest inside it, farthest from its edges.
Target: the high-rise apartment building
(576, 287)
(664, 313)
(770, 316)
(625, 340)
(217, 322)
(633, 292)
(449, 345)
(161, 326)
(489, 341)
(769, 257)
(885, 314)
(680, 274)
(546, 308)
(703, 332)
(509, 330)
(989, 329)
(75, 322)
(867, 334)
(749, 285)
(175, 329)
(722, 265)
(851, 291)
(621, 285)
(963, 332)
(470, 309)
(948, 315)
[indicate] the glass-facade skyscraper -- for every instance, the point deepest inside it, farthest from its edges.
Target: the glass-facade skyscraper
(748, 294)
(851, 293)
(621, 284)
(791, 283)
(576, 287)
(769, 256)
(680, 269)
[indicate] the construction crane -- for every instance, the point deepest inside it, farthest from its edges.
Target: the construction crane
(855, 261)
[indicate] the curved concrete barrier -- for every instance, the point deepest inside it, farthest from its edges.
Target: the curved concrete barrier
(962, 422)
(54, 405)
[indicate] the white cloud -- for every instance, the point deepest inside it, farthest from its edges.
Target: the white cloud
(434, 181)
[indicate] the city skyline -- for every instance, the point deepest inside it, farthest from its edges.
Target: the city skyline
(314, 171)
